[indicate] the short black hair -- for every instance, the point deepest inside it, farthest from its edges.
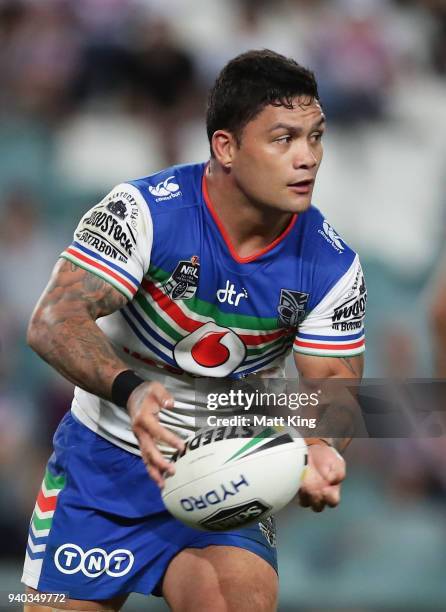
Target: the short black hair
(251, 81)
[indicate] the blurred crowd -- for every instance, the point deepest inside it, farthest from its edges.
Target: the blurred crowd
(94, 92)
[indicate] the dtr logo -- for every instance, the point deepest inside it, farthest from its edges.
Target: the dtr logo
(227, 294)
(70, 559)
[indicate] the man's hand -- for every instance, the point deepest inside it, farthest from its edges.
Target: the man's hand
(143, 405)
(321, 485)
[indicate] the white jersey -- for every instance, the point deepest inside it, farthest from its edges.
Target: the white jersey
(196, 309)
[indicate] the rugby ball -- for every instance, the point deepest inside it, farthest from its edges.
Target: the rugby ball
(229, 477)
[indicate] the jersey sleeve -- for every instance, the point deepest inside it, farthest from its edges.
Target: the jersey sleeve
(114, 239)
(335, 326)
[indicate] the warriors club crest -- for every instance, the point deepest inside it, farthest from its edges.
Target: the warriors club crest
(292, 307)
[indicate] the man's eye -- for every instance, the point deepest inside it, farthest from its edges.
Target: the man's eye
(284, 139)
(317, 136)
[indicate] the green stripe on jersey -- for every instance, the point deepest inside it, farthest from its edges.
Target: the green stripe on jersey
(207, 309)
(157, 318)
(271, 346)
(175, 336)
(158, 274)
(227, 319)
(97, 272)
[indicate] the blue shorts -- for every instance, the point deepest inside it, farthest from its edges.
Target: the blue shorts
(100, 528)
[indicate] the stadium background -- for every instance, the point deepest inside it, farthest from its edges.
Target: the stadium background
(93, 92)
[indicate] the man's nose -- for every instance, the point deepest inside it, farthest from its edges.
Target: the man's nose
(304, 156)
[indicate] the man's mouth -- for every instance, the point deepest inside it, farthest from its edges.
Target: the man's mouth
(302, 187)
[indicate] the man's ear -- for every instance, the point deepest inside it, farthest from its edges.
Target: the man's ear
(224, 146)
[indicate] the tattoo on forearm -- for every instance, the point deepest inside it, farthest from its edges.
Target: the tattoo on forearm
(338, 415)
(349, 364)
(338, 423)
(67, 335)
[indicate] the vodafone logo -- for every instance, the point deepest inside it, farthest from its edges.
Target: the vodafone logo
(211, 350)
(70, 559)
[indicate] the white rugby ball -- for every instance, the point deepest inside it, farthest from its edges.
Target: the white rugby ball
(229, 477)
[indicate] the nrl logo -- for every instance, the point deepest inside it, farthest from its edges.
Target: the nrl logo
(183, 283)
(292, 307)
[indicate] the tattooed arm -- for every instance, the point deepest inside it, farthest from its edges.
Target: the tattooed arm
(326, 368)
(63, 331)
(321, 486)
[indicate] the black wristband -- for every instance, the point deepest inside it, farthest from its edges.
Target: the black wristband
(123, 385)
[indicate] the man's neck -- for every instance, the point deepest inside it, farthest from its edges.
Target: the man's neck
(250, 228)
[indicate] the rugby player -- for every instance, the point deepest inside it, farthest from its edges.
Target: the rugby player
(218, 269)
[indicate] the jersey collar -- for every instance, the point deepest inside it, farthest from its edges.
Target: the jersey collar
(224, 233)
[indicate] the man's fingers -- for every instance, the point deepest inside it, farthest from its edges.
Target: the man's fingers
(333, 472)
(318, 506)
(307, 498)
(155, 475)
(304, 499)
(322, 482)
(160, 394)
(332, 496)
(315, 501)
(329, 464)
(148, 423)
(152, 457)
(161, 434)
(144, 406)
(319, 498)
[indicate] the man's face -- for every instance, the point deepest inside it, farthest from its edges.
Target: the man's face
(279, 155)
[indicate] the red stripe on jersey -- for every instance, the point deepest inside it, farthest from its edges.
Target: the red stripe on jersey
(99, 266)
(260, 339)
(168, 305)
(191, 325)
(329, 346)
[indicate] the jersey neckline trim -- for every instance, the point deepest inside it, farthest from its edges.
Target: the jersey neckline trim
(225, 236)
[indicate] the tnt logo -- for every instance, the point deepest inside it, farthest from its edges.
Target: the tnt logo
(70, 559)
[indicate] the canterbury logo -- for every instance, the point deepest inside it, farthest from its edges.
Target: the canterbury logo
(333, 236)
(165, 188)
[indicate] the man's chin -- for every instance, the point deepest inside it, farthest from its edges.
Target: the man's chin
(299, 204)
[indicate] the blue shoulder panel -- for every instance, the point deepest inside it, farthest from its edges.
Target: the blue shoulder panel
(325, 256)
